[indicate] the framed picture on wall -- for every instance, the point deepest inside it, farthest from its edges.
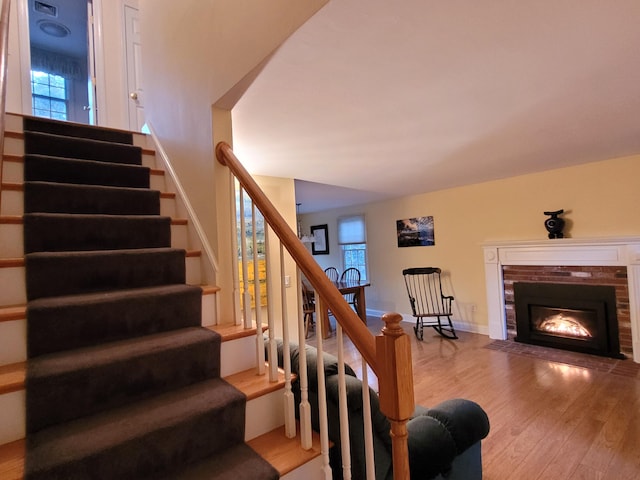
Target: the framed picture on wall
(320, 246)
(415, 232)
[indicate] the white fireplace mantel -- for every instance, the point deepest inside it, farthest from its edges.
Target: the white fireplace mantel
(622, 251)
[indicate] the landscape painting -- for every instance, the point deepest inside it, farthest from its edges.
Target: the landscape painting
(415, 232)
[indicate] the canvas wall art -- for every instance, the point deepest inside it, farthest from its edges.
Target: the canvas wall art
(415, 232)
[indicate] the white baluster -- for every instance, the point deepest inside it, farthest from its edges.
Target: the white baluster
(305, 407)
(289, 403)
(234, 248)
(322, 395)
(257, 292)
(368, 431)
(343, 407)
(246, 297)
(272, 354)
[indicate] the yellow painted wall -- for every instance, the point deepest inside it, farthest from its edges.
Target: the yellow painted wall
(281, 192)
(600, 199)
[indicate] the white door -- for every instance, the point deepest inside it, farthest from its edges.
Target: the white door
(134, 68)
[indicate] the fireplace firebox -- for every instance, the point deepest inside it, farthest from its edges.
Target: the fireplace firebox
(573, 317)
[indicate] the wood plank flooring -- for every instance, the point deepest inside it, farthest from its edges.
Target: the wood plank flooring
(549, 420)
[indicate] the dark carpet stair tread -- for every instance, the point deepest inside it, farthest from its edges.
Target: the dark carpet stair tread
(71, 384)
(236, 463)
(55, 127)
(49, 197)
(76, 321)
(59, 232)
(151, 436)
(48, 168)
(81, 148)
(51, 274)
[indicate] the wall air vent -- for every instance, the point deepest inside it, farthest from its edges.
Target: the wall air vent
(45, 8)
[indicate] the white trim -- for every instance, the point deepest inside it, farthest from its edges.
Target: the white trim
(25, 55)
(615, 251)
(99, 59)
(206, 246)
(457, 324)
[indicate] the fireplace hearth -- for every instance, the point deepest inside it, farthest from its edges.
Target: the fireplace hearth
(573, 317)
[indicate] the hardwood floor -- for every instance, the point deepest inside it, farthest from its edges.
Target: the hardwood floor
(549, 420)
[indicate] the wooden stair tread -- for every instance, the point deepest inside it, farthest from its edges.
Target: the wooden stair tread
(285, 454)
(253, 385)
(12, 312)
(233, 332)
(12, 378)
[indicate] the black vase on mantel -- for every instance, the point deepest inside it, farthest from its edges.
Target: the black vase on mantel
(554, 224)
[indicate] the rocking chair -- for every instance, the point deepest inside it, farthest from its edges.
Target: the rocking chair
(428, 305)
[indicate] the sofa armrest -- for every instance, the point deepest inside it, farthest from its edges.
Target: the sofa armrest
(437, 435)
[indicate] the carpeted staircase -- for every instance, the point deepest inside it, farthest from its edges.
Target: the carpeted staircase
(122, 381)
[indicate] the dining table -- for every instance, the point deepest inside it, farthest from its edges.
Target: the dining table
(346, 287)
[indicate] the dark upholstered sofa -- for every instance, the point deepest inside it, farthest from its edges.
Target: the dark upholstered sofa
(444, 441)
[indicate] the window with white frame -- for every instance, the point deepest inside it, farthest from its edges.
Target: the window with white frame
(352, 238)
(49, 95)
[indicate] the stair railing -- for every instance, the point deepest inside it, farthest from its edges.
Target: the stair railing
(388, 354)
(4, 58)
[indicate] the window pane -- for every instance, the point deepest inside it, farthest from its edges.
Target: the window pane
(57, 81)
(39, 89)
(58, 106)
(355, 255)
(58, 92)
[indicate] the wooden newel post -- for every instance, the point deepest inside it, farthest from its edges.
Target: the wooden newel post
(393, 351)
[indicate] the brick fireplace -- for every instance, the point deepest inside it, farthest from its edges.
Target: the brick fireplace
(605, 262)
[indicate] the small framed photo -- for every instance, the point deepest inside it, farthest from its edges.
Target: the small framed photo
(320, 246)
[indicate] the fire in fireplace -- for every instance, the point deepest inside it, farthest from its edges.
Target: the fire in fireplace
(581, 318)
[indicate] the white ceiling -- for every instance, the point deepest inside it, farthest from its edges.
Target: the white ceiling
(378, 99)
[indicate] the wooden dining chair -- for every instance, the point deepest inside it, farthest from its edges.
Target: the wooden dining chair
(351, 275)
(308, 308)
(332, 273)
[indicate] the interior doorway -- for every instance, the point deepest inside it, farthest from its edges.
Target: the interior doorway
(62, 69)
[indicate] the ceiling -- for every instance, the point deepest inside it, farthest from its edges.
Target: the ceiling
(375, 100)
(67, 18)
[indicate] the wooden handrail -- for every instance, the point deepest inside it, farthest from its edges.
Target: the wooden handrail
(332, 298)
(388, 354)
(4, 58)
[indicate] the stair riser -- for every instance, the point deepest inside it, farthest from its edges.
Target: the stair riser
(239, 355)
(58, 146)
(12, 243)
(41, 168)
(70, 274)
(14, 335)
(12, 203)
(14, 344)
(64, 394)
(12, 416)
(61, 233)
(264, 414)
(42, 197)
(190, 436)
(108, 318)
(13, 284)
(12, 170)
(13, 292)
(80, 131)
